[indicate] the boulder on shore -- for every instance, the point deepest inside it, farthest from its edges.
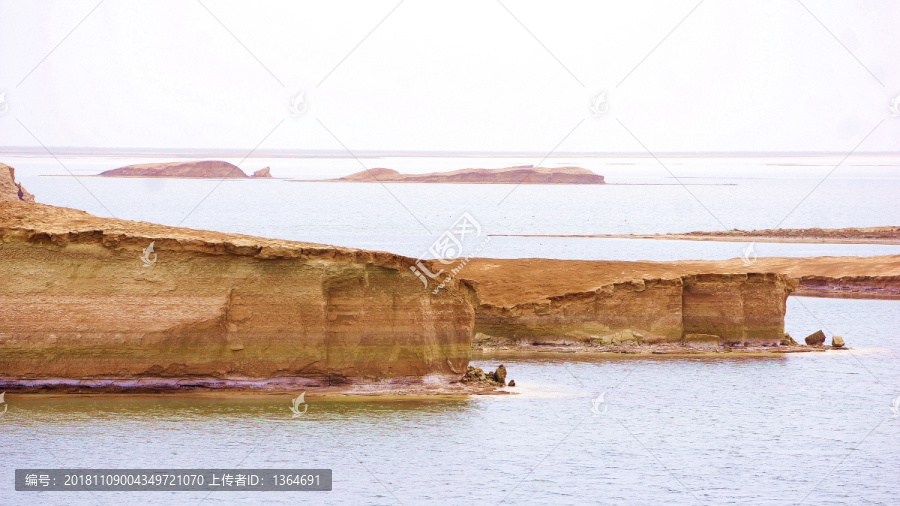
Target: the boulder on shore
(264, 172)
(815, 339)
(477, 375)
(837, 341)
(512, 383)
(788, 340)
(500, 375)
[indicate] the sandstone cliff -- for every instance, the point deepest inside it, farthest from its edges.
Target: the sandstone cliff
(510, 175)
(739, 309)
(512, 282)
(201, 169)
(87, 297)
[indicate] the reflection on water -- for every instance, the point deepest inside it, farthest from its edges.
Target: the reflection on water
(761, 431)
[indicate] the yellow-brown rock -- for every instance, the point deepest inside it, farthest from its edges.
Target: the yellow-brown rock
(83, 297)
(10, 190)
(737, 308)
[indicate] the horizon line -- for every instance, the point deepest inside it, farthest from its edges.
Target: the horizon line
(337, 153)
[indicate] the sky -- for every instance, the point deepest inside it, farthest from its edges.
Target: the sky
(486, 75)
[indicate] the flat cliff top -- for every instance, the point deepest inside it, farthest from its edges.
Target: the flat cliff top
(850, 235)
(808, 233)
(199, 169)
(61, 224)
(507, 283)
(525, 174)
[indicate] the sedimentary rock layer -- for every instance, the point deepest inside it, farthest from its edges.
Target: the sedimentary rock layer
(850, 287)
(741, 309)
(83, 297)
(653, 306)
(503, 282)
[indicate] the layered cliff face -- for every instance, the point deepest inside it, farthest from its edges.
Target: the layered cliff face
(732, 309)
(742, 309)
(85, 297)
(653, 306)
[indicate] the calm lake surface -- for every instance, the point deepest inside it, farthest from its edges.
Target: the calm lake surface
(813, 428)
(406, 218)
(676, 431)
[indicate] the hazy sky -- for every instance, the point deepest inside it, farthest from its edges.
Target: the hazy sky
(718, 75)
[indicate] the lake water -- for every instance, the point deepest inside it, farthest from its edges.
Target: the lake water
(814, 428)
(407, 218)
(675, 431)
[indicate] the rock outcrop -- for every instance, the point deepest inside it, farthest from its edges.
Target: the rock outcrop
(84, 298)
(264, 172)
(788, 340)
(476, 375)
(837, 341)
(201, 169)
(817, 338)
(525, 174)
(10, 190)
(695, 310)
(819, 234)
(742, 309)
(863, 287)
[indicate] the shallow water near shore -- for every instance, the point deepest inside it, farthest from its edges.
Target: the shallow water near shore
(775, 430)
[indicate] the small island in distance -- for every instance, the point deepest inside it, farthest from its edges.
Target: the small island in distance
(201, 169)
(522, 174)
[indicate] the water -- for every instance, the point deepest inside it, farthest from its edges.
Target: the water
(757, 431)
(808, 427)
(407, 218)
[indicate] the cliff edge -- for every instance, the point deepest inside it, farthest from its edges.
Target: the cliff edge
(86, 298)
(10, 190)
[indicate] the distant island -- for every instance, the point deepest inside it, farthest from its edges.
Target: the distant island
(848, 235)
(523, 174)
(201, 169)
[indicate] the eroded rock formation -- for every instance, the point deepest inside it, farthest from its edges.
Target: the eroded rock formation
(84, 297)
(10, 190)
(729, 309)
(742, 309)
